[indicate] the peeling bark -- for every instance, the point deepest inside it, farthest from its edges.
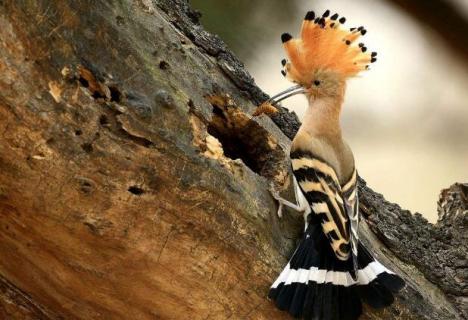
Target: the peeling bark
(122, 194)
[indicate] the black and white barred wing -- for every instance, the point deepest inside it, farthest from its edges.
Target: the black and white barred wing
(336, 209)
(351, 198)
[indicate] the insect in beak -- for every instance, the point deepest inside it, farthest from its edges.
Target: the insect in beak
(269, 106)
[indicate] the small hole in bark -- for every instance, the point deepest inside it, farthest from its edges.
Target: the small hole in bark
(103, 120)
(86, 187)
(78, 132)
(136, 190)
(84, 82)
(116, 95)
(120, 20)
(163, 65)
(97, 95)
(191, 104)
(87, 147)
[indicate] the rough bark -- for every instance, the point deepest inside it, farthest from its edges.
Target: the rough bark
(134, 182)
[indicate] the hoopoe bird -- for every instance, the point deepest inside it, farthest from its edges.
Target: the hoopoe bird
(331, 272)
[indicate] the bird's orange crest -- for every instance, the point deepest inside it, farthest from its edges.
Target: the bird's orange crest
(325, 45)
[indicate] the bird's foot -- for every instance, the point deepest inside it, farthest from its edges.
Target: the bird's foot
(275, 194)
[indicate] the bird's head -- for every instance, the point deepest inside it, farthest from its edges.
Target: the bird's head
(323, 57)
(324, 83)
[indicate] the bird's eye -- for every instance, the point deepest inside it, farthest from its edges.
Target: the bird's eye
(317, 82)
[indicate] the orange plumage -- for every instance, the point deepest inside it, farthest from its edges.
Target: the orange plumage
(325, 45)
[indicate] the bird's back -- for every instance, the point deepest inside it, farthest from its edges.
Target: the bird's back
(332, 150)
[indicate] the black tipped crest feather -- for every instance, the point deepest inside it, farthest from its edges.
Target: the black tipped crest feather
(310, 16)
(285, 37)
(311, 51)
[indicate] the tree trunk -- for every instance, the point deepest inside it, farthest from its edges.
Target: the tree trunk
(134, 182)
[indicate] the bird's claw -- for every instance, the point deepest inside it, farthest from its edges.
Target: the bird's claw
(280, 210)
(275, 194)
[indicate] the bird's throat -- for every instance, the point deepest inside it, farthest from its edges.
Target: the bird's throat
(322, 118)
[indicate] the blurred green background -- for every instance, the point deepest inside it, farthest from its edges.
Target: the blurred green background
(406, 119)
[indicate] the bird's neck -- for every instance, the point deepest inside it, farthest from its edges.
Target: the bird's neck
(322, 118)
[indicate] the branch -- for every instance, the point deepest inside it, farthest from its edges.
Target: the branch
(134, 181)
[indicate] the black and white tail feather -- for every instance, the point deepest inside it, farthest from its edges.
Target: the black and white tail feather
(324, 280)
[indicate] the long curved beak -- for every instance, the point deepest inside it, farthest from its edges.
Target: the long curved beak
(269, 107)
(285, 94)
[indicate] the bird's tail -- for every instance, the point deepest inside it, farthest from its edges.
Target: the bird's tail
(316, 285)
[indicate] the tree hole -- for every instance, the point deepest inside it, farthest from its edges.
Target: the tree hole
(190, 104)
(116, 95)
(87, 147)
(136, 190)
(163, 65)
(103, 120)
(244, 139)
(84, 82)
(86, 187)
(120, 20)
(97, 94)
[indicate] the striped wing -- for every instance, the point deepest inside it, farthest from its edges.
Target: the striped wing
(320, 184)
(350, 193)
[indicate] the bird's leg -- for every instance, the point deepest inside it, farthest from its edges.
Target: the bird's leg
(301, 204)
